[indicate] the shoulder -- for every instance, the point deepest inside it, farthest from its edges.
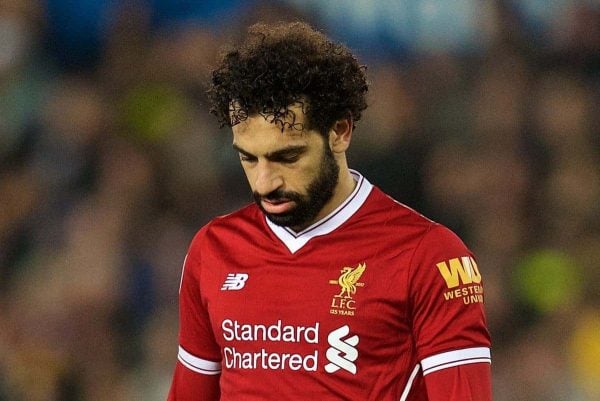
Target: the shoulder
(228, 228)
(394, 214)
(441, 254)
(401, 221)
(439, 239)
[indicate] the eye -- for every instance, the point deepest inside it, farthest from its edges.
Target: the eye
(289, 159)
(246, 158)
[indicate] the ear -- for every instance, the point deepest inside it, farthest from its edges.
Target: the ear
(340, 135)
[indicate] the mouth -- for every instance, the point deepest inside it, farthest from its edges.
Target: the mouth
(276, 206)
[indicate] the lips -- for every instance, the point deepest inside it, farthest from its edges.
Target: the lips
(276, 206)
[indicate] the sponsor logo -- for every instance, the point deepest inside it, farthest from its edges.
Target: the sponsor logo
(234, 282)
(462, 271)
(342, 352)
(236, 331)
(244, 352)
(250, 346)
(344, 303)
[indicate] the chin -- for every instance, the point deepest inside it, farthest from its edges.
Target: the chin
(284, 221)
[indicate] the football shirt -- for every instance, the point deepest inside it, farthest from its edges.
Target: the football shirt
(359, 306)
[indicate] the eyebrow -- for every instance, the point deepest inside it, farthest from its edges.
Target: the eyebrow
(275, 154)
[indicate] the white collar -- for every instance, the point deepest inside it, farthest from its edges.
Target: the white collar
(294, 241)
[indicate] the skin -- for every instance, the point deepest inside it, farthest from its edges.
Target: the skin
(290, 160)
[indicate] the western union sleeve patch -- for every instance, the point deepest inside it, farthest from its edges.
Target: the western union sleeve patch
(462, 278)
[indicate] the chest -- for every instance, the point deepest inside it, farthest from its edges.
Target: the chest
(253, 291)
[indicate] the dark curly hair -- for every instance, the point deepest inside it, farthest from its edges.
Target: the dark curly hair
(284, 64)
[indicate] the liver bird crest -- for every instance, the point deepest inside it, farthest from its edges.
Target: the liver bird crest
(349, 280)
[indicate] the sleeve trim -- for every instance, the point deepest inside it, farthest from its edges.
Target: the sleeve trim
(198, 365)
(455, 358)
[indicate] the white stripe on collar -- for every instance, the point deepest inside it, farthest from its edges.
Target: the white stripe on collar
(294, 241)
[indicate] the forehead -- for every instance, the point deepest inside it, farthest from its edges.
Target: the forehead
(259, 134)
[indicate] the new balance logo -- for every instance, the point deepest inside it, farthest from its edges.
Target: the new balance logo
(342, 353)
(234, 281)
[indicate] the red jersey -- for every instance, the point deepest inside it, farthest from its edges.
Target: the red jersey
(361, 305)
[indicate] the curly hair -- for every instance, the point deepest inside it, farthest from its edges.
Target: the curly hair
(285, 64)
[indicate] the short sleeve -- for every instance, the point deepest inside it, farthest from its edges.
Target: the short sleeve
(446, 298)
(198, 349)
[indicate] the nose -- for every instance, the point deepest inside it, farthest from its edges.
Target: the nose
(268, 179)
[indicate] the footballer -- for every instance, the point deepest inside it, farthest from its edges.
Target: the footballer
(325, 288)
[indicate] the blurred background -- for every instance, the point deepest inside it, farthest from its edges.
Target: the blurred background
(483, 115)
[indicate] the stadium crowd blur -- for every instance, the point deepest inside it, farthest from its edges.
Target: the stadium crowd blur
(109, 163)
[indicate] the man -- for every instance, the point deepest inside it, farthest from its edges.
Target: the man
(325, 288)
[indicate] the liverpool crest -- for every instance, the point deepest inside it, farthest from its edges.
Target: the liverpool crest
(344, 303)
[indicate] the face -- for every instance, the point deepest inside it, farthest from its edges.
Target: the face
(293, 174)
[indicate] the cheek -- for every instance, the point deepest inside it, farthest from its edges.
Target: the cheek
(303, 177)
(249, 176)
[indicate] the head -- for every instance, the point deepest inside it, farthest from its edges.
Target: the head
(292, 98)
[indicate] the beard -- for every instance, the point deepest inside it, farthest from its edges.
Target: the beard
(307, 206)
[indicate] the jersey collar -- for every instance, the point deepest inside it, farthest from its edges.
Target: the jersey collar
(294, 241)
